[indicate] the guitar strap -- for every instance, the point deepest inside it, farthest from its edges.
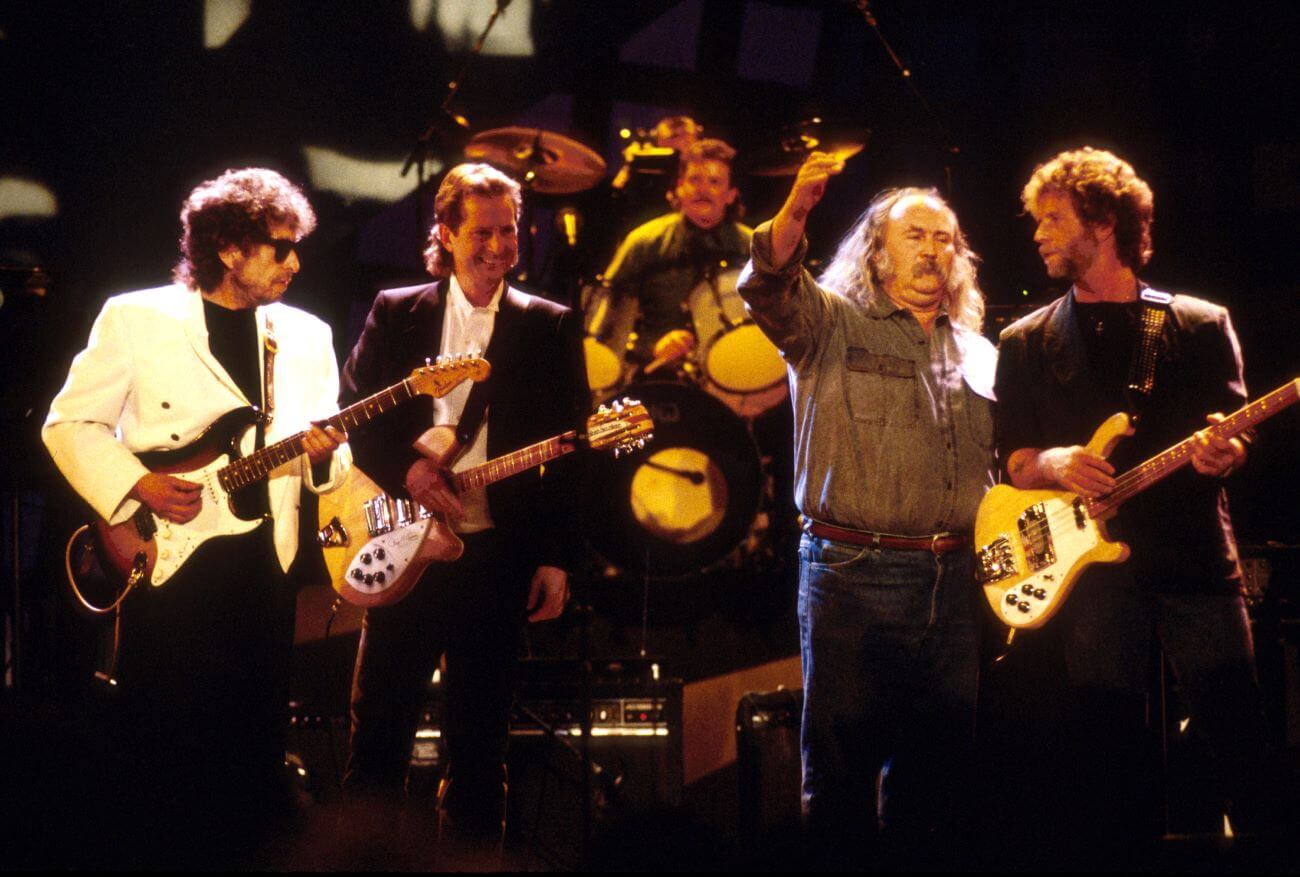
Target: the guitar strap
(268, 383)
(471, 416)
(1146, 349)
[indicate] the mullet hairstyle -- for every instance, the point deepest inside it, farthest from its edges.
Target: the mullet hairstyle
(861, 268)
(239, 207)
(449, 208)
(1104, 189)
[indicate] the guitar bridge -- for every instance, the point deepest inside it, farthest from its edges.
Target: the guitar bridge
(1036, 537)
(995, 561)
(333, 534)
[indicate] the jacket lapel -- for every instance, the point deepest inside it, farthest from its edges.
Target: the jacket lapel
(421, 334)
(1063, 343)
(196, 331)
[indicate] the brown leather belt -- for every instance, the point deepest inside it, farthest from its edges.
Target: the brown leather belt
(939, 543)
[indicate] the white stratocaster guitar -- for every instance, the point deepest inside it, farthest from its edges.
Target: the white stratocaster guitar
(104, 561)
(1032, 545)
(376, 546)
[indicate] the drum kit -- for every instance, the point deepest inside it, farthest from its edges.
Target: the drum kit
(694, 500)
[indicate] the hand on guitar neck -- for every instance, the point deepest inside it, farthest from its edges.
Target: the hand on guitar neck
(1087, 473)
(1214, 455)
(180, 501)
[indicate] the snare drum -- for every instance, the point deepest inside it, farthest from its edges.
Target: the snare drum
(742, 367)
(608, 323)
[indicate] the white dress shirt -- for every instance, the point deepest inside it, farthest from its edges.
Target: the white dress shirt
(467, 329)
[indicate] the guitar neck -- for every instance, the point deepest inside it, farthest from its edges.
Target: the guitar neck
(1144, 475)
(521, 460)
(257, 465)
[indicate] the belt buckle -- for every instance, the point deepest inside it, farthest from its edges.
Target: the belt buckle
(875, 541)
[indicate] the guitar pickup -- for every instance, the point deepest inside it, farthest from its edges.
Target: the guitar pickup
(1036, 537)
(333, 534)
(995, 561)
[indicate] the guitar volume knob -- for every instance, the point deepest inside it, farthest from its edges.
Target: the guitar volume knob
(365, 558)
(357, 574)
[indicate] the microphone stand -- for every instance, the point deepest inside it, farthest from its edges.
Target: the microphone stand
(951, 150)
(444, 121)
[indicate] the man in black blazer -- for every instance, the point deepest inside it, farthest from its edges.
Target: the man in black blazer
(521, 535)
(1061, 371)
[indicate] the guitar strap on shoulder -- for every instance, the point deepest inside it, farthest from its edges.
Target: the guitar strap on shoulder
(1147, 346)
(472, 414)
(269, 350)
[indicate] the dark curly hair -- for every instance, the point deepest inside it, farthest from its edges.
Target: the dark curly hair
(1103, 188)
(449, 207)
(239, 207)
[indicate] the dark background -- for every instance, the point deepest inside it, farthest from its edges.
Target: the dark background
(119, 110)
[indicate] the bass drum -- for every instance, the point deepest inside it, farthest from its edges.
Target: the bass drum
(682, 504)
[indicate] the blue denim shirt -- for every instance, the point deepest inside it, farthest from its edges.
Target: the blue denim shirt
(893, 428)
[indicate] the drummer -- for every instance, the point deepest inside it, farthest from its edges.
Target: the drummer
(661, 261)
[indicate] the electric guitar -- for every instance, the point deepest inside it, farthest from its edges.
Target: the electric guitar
(105, 560)
(376, 547)
(1032, 545)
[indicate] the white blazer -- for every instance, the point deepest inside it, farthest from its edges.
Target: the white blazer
(147, 381)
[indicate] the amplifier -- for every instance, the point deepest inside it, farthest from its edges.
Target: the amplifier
(635, 748)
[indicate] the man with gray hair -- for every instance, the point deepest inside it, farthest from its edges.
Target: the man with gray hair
(892, 390)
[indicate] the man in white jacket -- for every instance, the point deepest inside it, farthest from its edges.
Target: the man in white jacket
(202, 677)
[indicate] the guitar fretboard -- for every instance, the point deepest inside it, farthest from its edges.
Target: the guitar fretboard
(257, 465)
(513, 463)
(1144, 475)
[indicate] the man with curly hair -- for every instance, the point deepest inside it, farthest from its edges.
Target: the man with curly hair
(1063, 370)
(202, 679)
(892, 389)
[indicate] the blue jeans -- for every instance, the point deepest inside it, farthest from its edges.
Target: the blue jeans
(890, 668)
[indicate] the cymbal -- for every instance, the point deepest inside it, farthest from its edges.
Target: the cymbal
(544, 161)
(784, 158)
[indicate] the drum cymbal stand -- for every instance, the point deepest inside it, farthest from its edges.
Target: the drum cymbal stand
(445, 126)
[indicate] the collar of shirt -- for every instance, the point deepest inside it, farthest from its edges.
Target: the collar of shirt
(883, 307)
(457, 299)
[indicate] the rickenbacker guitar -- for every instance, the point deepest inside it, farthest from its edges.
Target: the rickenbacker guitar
(1033, 545)
(104, 560)
(376, 547)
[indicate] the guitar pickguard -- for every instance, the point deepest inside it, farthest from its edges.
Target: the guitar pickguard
(1032, 547)
(176, 542)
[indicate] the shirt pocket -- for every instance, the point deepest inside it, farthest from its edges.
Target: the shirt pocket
(882, 389)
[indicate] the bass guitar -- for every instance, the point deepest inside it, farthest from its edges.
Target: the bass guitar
(104, 561)
(376, 547)
(1033, 545)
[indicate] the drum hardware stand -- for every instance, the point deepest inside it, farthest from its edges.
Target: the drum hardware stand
(442, 122)
(951, 150)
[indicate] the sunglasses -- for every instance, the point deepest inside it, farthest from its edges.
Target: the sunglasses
(282, 246)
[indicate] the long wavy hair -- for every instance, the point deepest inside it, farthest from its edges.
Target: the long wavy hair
(1103, 188)
(861, 267)
(239, 207)
(449, 207)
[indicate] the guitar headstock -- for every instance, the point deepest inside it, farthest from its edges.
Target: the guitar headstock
(440, 376)
(624, 425)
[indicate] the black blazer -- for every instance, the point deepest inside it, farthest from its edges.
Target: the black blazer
(537, 389)
(1048, 396)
